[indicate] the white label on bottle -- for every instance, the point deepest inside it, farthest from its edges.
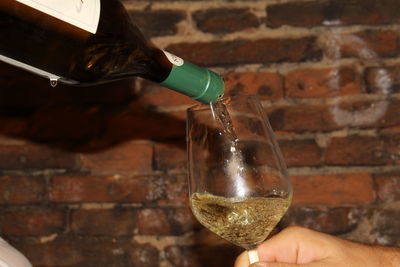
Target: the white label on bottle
(84, 14)
(177, 61)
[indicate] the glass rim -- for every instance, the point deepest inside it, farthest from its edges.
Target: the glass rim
(226, 100)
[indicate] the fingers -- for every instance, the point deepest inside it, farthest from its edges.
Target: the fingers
(275, 264)
(281, 264)
(242, 260)
(296, 245)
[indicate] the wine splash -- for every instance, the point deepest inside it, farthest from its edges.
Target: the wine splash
(234, 165)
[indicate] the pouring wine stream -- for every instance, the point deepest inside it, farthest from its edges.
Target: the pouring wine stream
(234, 164)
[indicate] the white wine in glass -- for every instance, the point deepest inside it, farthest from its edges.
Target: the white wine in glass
(238, 184)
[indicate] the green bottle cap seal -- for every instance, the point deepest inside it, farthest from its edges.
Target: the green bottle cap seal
(198, 83)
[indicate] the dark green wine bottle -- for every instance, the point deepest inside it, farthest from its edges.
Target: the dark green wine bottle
(89, 42)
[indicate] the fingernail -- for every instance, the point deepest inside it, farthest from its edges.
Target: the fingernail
(259, 264)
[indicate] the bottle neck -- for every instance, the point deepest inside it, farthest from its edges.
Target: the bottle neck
(198, 83)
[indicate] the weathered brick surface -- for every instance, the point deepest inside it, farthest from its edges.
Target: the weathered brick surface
(95, 222)
(333, 189)
(16, 190)
(369, 44)
(157, 22)
(64, 252)
(383, 80)
(338, 220)
(294, 151)
(91, 252)
(133, 157)
(38, 222)
(323, 117)
(364, 150)
(97, 176)
(225, 20)
(36, 157)
(310, 83)
(388, 187)
(267, 85)
(113, 188)
(302, 117)
(154, 96)
(165, 221)
(170, 156)
(242, 51)
(340, 12)
(176, 189)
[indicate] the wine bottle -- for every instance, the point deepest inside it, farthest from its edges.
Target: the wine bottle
(87, 42)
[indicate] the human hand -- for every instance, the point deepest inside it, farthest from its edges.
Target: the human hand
(297, 245)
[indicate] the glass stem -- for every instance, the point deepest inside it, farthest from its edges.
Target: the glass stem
(253, 256)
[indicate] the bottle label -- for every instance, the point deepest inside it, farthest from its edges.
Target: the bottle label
(84, 14)
(177, 61)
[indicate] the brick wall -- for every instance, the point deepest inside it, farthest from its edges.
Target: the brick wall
(97, 176)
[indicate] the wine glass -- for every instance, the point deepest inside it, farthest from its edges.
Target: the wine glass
(238, 183)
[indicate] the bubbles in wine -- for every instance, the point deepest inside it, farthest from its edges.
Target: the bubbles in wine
(245, 222)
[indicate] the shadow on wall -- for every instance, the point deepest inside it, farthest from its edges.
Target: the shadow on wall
(82, 119)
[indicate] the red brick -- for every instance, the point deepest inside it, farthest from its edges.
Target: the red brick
(144, 255)
(155, 96)
(333, 221)
(182, 221)
(344, 12)
(36, 157)
(157, 22)
(9, 140)
(300, 152)
(172, 221)
(82, 251)
(32, 222)
(267, 85)
(333, 189)
(94, 222)
(58, 253)
(66, 122)
(105, 189)
(139, 123)
(22, 189)
(386, 223)
(176, 189)
(383, 80)
(326, 82)
(241, 51)
(388, 187)
(302, 117)
(132, 157)
(225, 20)
(363, 150)
(170, 156)
(153, 222)
(14, 126)
(366, 45)
(211, 255)
(379, 113)
(321, 117)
